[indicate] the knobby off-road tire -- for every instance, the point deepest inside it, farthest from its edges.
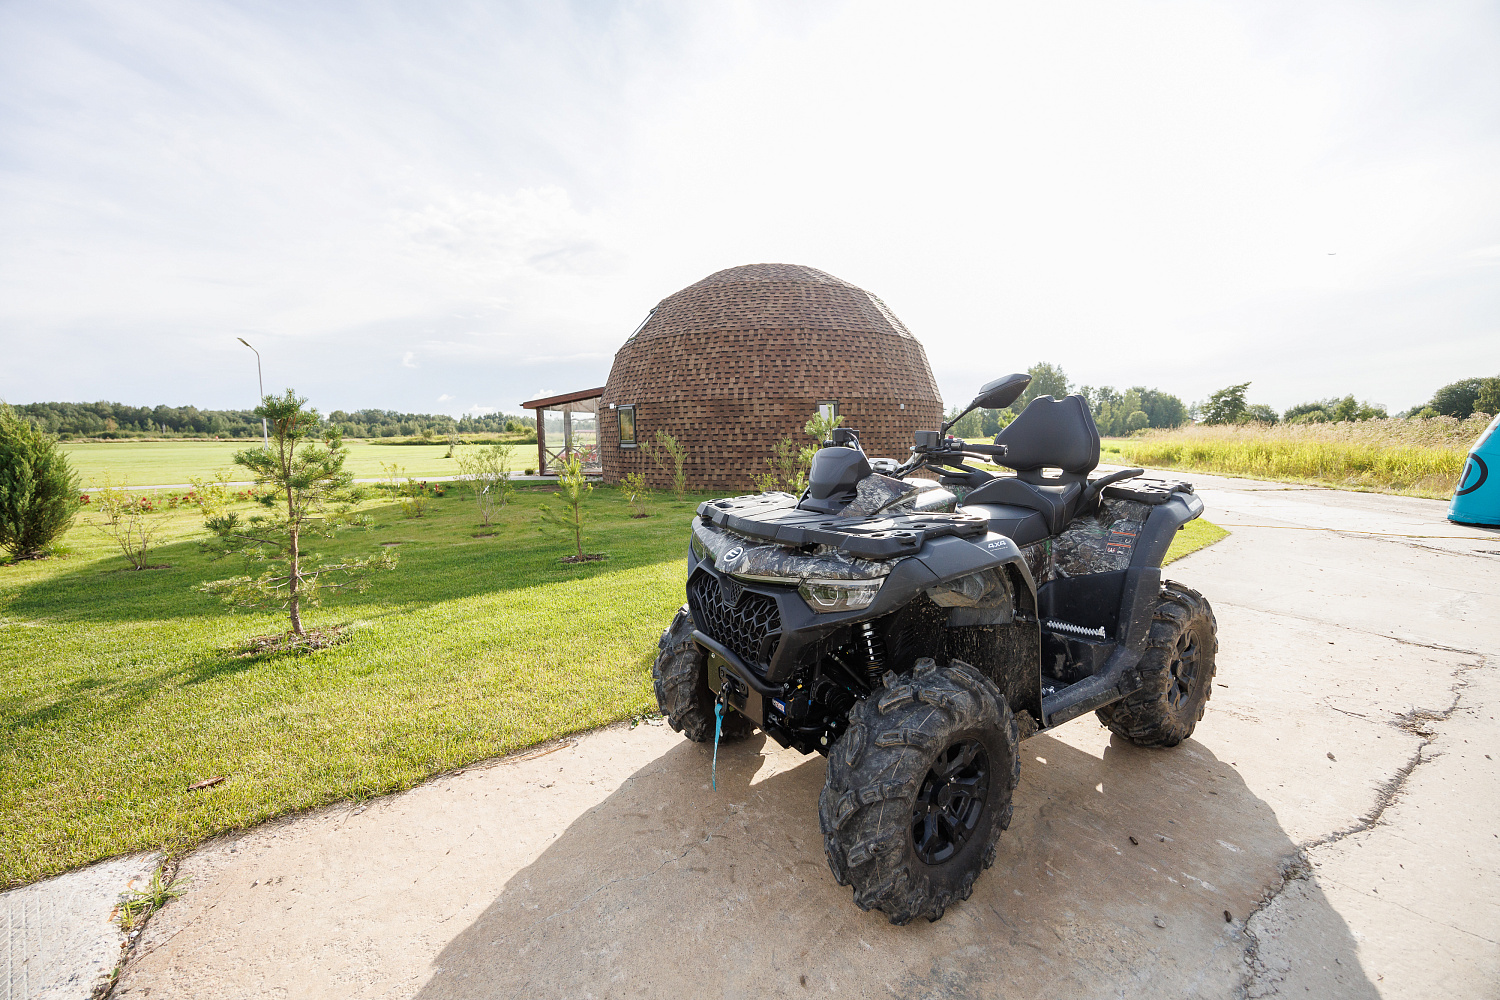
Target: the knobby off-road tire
(680, 676)
(926, 767)
(1178, 670)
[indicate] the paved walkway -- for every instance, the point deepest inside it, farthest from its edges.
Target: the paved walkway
(1330, 830)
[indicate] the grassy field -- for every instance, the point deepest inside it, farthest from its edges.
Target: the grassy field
(123, 688)
(153, 463)
(1413, 457)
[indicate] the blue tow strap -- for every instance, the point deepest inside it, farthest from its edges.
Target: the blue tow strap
(718, 728)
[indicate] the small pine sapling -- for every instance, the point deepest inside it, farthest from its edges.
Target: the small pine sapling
(633, 486)
(306, 491)
(574, 488)
(670, 456)
(820, 427)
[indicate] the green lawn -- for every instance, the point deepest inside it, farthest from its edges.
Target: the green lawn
(123, 688)
(152, 463)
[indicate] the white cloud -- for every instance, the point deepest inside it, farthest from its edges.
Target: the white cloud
(1146, 195)
(444, 398)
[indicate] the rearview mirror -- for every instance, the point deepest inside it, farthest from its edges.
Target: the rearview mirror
(999, 394)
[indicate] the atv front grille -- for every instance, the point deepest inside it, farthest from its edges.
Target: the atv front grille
(747, 622)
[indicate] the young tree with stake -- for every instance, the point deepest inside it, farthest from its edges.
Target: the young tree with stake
(306, 489)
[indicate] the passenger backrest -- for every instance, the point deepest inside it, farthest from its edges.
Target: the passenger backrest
(1052, 434)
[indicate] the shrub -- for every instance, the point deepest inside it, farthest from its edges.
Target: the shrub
(668, 453)
(633, 485)
(487, 471)
(409, 493)
(789, 467)
(1137, 421)
(38, 489)
(130, 520)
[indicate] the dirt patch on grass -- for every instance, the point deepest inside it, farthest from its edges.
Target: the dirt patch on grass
(291, 642)
(586, 557)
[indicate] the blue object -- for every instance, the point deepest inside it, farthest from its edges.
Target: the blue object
(713, 776)
(1476, 499)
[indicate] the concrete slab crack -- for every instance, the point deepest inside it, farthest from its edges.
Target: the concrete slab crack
(1259, 981)
(1440, 647)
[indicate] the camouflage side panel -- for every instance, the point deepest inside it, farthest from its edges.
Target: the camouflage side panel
(875, 493)
(731, 553)
(932, 500)
(1099, 543)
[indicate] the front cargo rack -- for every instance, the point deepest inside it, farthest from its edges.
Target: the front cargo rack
(774, 517)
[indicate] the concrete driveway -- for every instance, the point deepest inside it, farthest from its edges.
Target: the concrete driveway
(1330, 831)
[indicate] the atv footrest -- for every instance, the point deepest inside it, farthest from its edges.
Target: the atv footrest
(1109, 685)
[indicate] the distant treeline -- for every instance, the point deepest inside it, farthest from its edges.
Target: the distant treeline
(1138, 408)
(1115, 412)
(116, 420)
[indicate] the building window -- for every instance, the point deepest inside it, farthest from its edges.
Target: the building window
(828, 408)
(627, 425)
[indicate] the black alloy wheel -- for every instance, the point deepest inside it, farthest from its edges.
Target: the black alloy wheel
(1176, 672)
(950, 802)
(918, 789)
(1184, 670)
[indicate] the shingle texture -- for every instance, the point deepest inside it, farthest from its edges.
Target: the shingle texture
(738, 361)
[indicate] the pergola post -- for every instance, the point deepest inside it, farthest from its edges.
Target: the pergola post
(541, 442)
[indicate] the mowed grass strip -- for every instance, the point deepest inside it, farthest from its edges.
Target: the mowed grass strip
(1191, 537)
(1413, 457)
(157, 463)
(123, 688)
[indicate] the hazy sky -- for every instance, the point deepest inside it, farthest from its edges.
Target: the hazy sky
(437, 207)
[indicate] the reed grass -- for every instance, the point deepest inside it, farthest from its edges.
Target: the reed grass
(1415, 457)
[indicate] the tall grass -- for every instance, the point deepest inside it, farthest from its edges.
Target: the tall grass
(1416, 457)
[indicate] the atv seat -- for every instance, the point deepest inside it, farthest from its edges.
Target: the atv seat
(1049, 434)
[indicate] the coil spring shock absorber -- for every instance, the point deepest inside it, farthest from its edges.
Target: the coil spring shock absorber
(869, 646)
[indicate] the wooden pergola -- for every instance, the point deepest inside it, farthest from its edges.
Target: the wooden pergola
(575, 416)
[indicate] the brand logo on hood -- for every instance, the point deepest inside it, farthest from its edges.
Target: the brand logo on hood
(734, 553)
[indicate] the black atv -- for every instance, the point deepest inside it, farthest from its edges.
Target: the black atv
(916, 631)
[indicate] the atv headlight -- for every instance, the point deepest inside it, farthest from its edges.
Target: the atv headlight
(701, 550)
(839, 595)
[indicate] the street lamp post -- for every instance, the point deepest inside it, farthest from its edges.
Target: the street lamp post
(264, 432)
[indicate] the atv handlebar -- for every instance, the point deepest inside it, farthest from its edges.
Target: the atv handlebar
(947, 451)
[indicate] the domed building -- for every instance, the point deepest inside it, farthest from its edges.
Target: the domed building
(731, 365)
